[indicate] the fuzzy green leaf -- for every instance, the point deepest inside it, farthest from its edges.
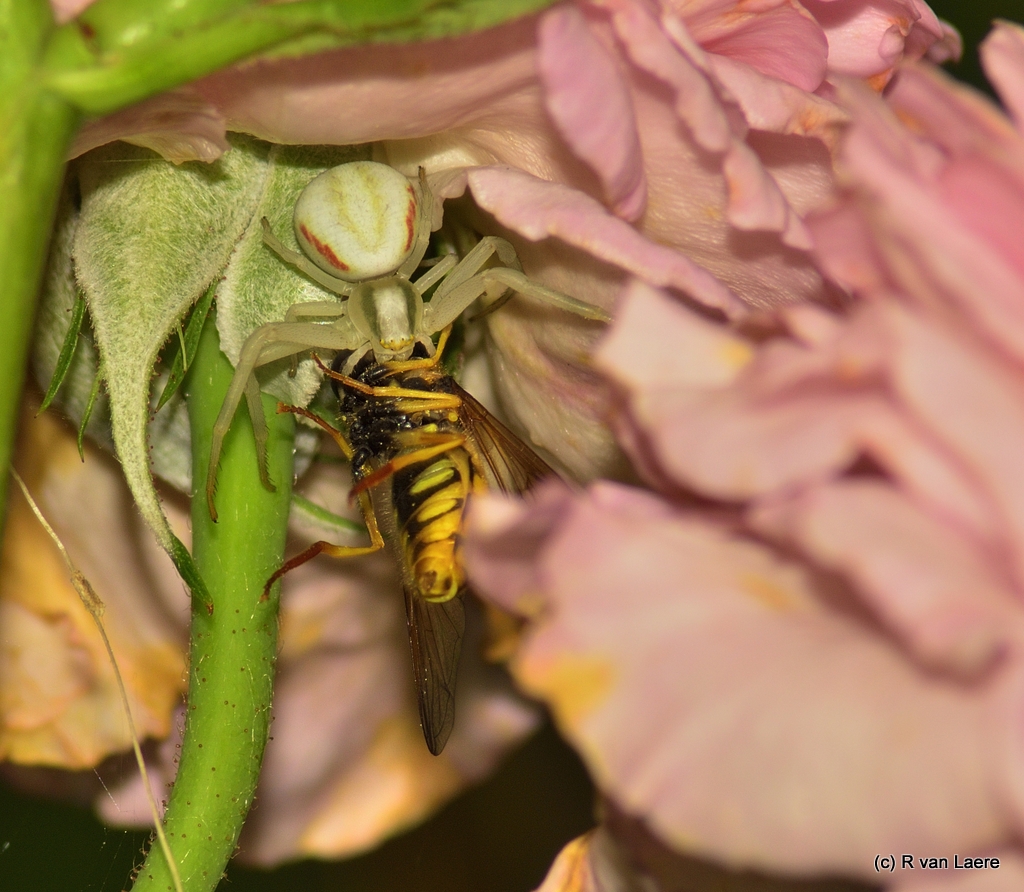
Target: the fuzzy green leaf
(187, 346)
(150, 239)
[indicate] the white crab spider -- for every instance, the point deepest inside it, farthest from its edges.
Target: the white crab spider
(364, 228)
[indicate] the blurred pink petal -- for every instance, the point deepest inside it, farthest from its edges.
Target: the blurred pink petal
(940, 246)
(1002, 54)
(589, 102)
(740, 717)
(936, 588)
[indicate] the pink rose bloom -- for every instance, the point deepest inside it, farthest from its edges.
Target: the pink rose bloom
(699, 123)
(805, 648)
(677, 145)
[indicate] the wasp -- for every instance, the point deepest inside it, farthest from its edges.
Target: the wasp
(420, 446)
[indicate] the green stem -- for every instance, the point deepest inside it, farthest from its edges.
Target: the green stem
(36, 128)
(233, 647)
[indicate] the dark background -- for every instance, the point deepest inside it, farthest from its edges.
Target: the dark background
(499, 837)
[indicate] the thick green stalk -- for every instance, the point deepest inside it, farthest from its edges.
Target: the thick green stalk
(36, 128)
(234, 646)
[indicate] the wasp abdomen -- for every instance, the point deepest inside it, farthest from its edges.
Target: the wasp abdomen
(430, 500)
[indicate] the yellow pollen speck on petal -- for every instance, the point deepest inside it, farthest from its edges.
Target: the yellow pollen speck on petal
(736, 354)
(575, 685)
(531, 604)
(911, 122)
(769, 593)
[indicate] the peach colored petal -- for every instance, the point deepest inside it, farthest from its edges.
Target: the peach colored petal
(585, 94)
(1002, 55)
(655, 340)
(60, 700)
(592, 862)
(423, 88)
(776, 106)
(935, 587)
(709, 692)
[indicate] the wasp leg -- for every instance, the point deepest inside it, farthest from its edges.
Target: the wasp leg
(336, 435)
(439, 444)
(337, 551)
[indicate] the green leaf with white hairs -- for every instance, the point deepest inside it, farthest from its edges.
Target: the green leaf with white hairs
(54, 318)
(150, 239)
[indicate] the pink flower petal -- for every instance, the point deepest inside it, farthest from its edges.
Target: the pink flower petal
(649, 49)
(1002, 55)
(973, 404)
(366, 93)
(933, 255)
(936, 588)
(709, 693)
(776, 106)
(180, 125)
(780, 40)
(702, 354)
(869, 37)
(537, 210)
(587, 98)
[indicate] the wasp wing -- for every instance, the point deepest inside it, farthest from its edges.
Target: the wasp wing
(514, 467)
(435, 634)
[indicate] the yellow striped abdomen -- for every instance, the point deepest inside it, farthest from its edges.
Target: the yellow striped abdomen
(430, 500)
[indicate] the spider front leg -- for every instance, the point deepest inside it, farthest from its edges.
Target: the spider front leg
(268, 343)
(470, 280)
